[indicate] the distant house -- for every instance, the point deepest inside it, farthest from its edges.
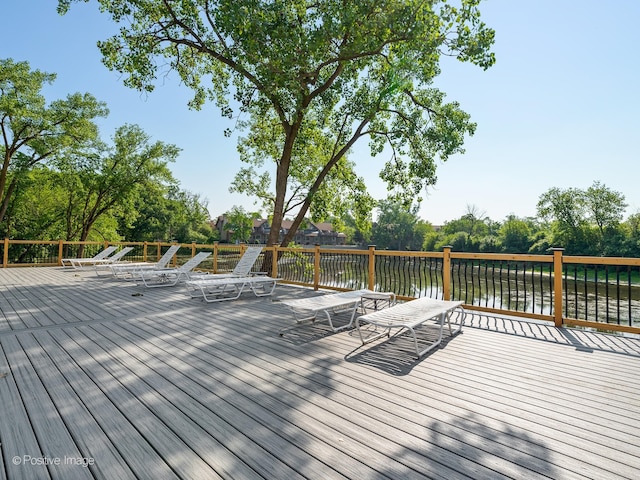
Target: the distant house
(315, 233)
(224, 233)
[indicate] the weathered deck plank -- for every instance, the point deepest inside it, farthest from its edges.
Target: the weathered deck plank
(151, 384)
(47, 423)
(242, 418)
(83, 424)
(17, 437)
(160, 447)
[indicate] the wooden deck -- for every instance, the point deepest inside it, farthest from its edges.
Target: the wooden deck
(102, 379)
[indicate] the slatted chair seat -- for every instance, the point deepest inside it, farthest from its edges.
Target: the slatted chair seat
(411, 315)
(229, 288)
(167, 277)
(78, 263)
(105, 263)
(306, 310)
(244, 265)
(130, 270)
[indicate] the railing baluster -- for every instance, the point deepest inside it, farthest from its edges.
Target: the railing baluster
(509, 302)
(437, 277)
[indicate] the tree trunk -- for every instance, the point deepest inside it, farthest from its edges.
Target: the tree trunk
(282, 177)
(7, 198)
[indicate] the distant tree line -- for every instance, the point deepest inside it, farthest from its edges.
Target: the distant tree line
(583, 222)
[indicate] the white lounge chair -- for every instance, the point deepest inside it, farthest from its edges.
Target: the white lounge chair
(244, 265)
(306, 310)
(167, 277)
(409, 316)
(105, 263)
(80, 262)
(229, 288)
(129, 270)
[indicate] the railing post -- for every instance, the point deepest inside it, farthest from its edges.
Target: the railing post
(144, 251)
(316, 267)
(5, 253)
(60, 251)
(557, 285)
(371, 280)
(215, 257)
(446, 272)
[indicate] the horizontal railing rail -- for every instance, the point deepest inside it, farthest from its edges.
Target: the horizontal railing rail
(595, 292)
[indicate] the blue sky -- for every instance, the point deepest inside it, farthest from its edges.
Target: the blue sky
(560, 108)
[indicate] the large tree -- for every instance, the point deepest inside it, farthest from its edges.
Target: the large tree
(34, 131)
(311, 78)
(108, 180)
(565, 211)
(606, 209)
(516, 234)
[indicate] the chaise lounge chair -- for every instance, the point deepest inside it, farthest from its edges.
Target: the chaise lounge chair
(129, 270)
(410, 315)
(244, 265)
(80, 262)
(167, 277)
(105, 263)
(229, 288)
(306, 310)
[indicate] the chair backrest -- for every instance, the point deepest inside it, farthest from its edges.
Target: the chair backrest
(105, 253)
(168, 255)
(244, 265)
(194, 262)
(117, 256)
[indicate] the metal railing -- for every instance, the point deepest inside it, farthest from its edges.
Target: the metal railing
(597, 292)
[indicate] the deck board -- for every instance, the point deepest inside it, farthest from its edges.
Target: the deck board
(201, 422)
(142, 410)
(48, 424)
(151, 384)
(16, 433)
(84, 424)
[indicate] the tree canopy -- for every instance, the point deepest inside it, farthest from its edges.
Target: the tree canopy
(583, 220)
(110, 177)
(34, 132)
(309, 80)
